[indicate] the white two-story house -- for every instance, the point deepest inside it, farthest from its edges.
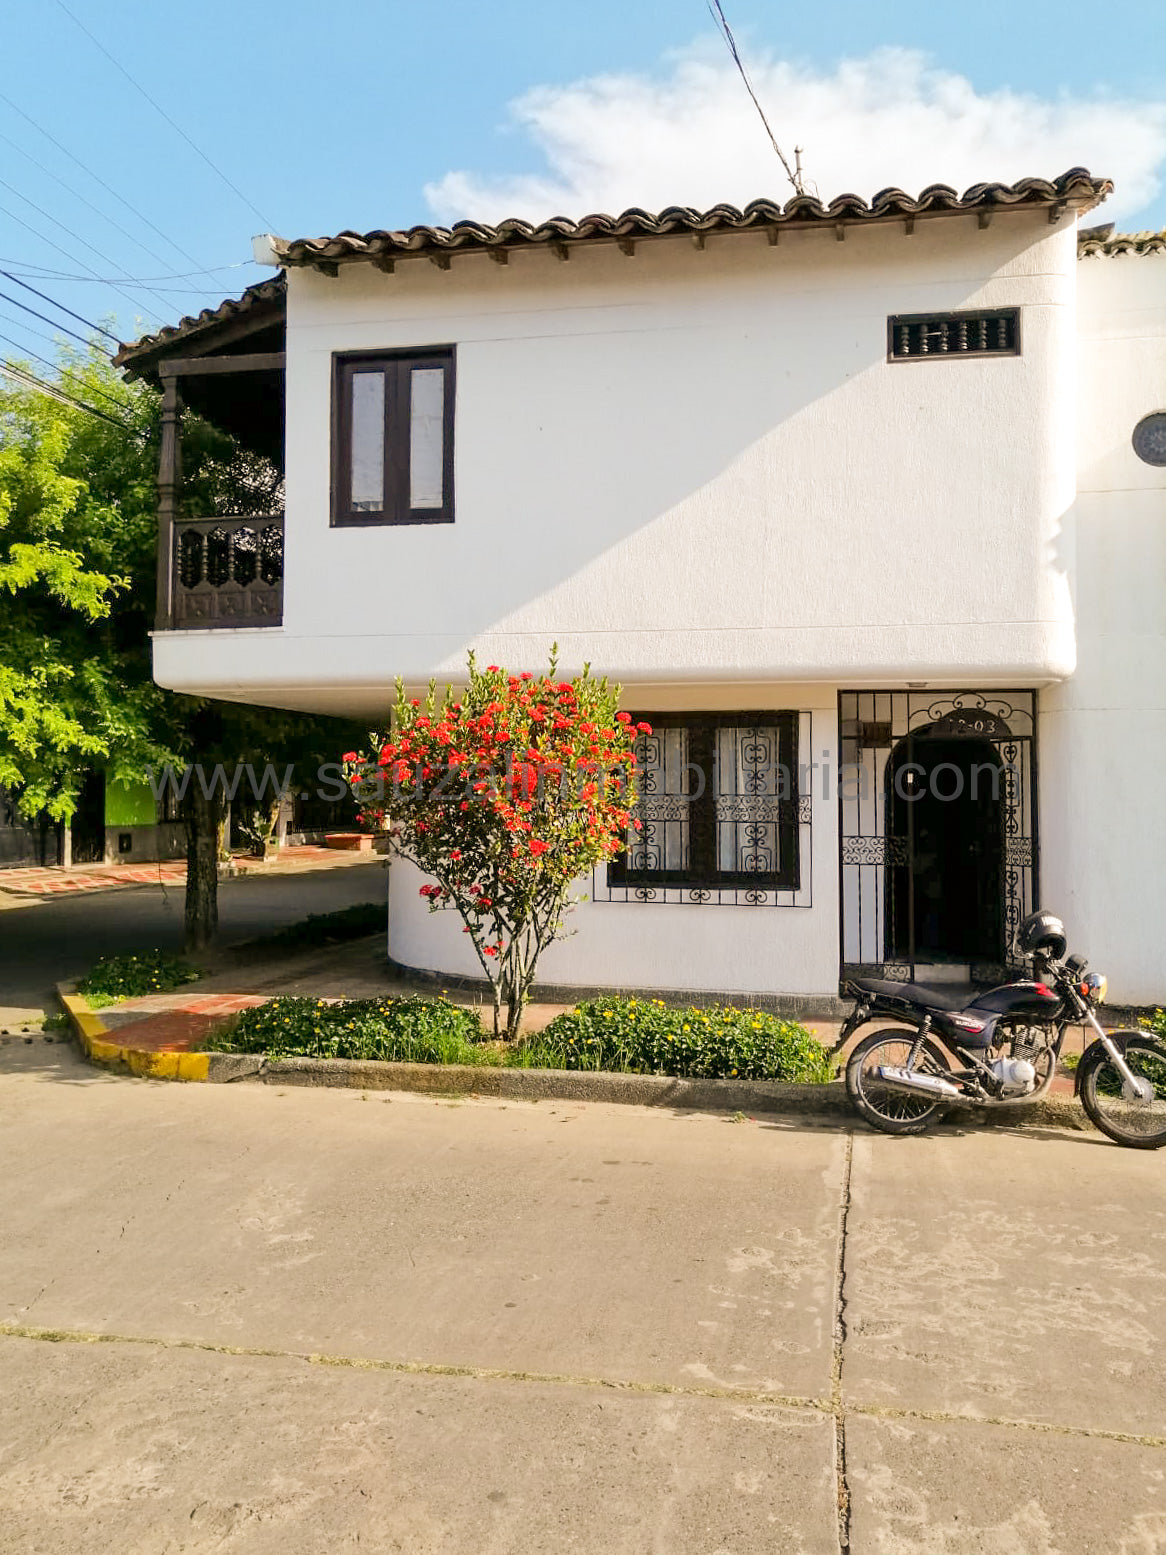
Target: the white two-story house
(863, 504)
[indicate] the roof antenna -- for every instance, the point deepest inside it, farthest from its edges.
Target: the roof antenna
(726, 32)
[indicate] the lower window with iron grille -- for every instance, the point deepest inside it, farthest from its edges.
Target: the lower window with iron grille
(718, 803)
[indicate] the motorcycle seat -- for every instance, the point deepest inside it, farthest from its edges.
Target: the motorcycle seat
(912, 993)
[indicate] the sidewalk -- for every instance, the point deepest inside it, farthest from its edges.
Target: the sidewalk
(84, 878)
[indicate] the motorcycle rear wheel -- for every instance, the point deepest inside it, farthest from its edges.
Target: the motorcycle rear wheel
(891, 1111)
(1137, 1124)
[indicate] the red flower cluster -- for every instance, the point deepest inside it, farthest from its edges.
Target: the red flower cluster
(504, 796)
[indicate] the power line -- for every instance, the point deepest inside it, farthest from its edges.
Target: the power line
(97, 178)
(40, 236)
(160, 110)
(726, 32)
(44, 297)
(19, 375)
(72, 333)
(76, 236)
(44, 273)
(77, 195)
(70, 372)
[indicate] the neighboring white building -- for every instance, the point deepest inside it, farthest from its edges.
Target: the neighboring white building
(852, 486)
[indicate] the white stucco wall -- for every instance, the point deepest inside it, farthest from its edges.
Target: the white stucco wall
(690, 466)
(1103, 733)
(730, 948)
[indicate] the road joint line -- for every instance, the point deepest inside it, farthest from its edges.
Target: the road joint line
(823, 1406)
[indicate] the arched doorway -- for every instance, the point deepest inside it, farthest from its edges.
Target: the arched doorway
(944, 816)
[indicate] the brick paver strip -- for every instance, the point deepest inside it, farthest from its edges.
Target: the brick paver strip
(61, 882)
(56, 881)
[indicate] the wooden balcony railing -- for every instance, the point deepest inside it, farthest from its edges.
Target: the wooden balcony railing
(227, 572)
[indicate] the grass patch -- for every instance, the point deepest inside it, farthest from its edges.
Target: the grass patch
(625, 1036)
(332, 928)
(129, 977)
(637, 1036)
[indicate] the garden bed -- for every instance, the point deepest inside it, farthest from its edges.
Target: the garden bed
(612, 1036)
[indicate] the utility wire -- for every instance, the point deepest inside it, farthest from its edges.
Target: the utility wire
(77, 238)
(72, 333)
(65, 372)
(44, 297)
(77, 195)
(160, 110)
(97, 178)
(45, 273)
(19, 375)
(40, 236)
(726, 32)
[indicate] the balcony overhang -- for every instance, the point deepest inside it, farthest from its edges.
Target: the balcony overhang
(227, 363)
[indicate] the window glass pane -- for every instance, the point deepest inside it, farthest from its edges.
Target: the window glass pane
(751, 784)
(665, 782)
(426, 437)
(368, 442)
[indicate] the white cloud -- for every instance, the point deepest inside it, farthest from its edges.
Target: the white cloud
(691, 137)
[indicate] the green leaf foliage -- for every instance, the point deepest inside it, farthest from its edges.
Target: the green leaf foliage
(131, 976)
(76, 559)
(646, 1036)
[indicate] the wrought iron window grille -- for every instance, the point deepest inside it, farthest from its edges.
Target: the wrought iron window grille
(929, 337)
(723, 821)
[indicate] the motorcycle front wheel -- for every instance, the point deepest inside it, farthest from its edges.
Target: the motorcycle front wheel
(1136, 1121)
(893, 1111)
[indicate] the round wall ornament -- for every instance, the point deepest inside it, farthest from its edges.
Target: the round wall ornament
(1149, 438)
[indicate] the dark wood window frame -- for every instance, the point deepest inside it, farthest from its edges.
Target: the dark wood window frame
(702, 870)
(968, 317)
(397, 366)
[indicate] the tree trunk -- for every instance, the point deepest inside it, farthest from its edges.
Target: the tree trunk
(203, 818)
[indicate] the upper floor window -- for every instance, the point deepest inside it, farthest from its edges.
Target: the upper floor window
(718, 803)
(392, 437)
(913, 337)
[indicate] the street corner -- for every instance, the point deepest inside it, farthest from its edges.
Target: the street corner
(151, 1055)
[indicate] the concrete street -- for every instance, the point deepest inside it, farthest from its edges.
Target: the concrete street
(43, 942)
(245, 1319)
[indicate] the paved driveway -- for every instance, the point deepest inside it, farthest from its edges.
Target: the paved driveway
(43, 942)
(243, 1319)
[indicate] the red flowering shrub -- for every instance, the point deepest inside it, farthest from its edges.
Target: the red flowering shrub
(505, 794)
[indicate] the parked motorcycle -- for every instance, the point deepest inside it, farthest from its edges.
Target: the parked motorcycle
(1002, 1046)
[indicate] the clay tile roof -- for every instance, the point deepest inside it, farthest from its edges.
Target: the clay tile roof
(1076, 188)
(1092, 241)
(262, 299)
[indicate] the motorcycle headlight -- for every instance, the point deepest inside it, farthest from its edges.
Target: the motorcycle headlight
(1095, 987)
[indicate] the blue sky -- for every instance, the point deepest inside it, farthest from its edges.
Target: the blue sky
(360, 114)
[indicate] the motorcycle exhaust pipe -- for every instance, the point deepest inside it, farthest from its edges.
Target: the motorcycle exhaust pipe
(918, 1084)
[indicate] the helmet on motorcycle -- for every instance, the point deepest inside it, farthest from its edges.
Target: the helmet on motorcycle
(1042, 933)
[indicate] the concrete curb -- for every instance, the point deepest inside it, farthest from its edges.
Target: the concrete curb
(100, 1046)
(640, 1090)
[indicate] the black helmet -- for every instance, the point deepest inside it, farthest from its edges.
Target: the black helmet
(1042, 933)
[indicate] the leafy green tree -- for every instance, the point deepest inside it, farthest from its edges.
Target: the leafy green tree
(78, 528)
(74, 690)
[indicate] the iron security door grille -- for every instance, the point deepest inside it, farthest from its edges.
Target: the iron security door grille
(938, 851)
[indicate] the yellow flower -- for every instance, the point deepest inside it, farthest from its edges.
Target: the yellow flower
(686, 1027)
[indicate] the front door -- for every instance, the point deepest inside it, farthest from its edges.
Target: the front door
(945, 900)
(937, 812)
